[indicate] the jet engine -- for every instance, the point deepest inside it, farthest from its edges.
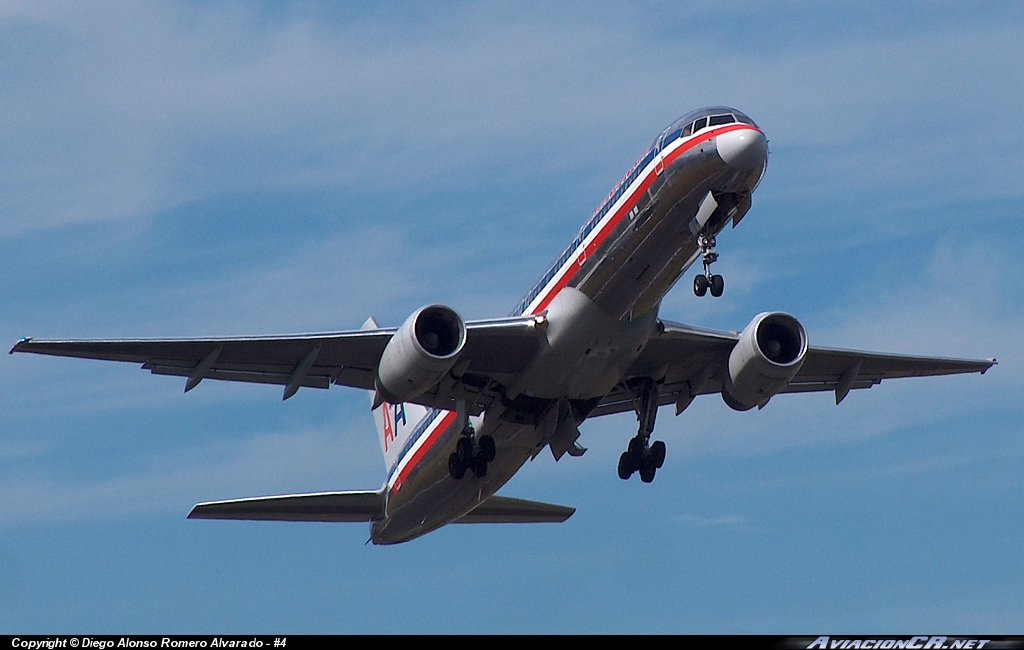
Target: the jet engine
(425, 347)
(768, 355)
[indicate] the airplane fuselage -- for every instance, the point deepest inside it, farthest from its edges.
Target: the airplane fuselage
(599, 304)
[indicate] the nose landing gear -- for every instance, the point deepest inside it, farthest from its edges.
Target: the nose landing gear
(709, 255)
(642, 456)
(465, 457)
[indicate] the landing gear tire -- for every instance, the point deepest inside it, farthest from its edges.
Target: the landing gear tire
(658, 454)
(700, 286)
(455, 467)
(625, 466)
(464, 457)
(480, 467)
(636, 449)
(709, 256)
(637, 458)
(487, 448)
(464, 449)
(717, 285)
(642, 456)
(647, 471)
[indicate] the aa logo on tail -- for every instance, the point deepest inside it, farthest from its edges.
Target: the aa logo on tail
(392, 414)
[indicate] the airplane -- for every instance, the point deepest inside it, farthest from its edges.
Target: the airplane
(460, 405)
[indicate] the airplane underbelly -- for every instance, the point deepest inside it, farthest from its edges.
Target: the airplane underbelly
(430, 498)
(586, 351)
(641, 260)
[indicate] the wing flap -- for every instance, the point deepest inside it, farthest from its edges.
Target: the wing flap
(324, 506)
(311, 380)
(506, 510)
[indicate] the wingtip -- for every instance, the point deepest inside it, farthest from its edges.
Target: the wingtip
(21, 341)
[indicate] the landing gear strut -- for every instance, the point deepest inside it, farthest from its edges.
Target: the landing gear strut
(708, 255)
(468, 455)
(642, 456)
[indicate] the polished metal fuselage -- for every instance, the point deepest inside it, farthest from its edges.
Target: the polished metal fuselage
(600, 302)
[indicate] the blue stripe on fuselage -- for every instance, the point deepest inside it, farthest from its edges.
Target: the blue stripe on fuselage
(416, 434)
(599, 214)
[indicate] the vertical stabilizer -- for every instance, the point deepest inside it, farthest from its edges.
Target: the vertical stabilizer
(395, 422)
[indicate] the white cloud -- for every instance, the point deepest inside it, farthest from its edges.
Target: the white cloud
(124, 110)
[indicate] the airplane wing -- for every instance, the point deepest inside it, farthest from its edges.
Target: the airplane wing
(506, 510)
(496, 349)
(324, 506)
(369, 506)
(694, 362)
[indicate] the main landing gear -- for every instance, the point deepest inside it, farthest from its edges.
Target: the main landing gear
(465, 457)
(709, 255)
(641, 456)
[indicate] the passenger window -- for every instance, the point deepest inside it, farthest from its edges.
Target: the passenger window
(721, 119)
(700, 124)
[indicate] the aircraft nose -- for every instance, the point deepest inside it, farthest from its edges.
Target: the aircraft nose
(743, 149)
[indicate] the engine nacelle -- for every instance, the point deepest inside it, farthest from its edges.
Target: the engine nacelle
(425, 347)
(768, 355)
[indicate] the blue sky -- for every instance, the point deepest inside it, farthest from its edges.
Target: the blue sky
(243, 168)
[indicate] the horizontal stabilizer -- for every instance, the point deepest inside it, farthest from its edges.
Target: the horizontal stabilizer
(323, 506)
(504, 510)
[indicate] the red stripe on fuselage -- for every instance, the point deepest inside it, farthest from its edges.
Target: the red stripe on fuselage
(566, 276)
(421, 451)
(626, 206)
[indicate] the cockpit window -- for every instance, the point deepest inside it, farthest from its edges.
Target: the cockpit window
(721, 119)
(700, 124)
(688, 130)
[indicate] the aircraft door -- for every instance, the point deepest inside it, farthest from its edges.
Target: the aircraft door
(659, 165)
